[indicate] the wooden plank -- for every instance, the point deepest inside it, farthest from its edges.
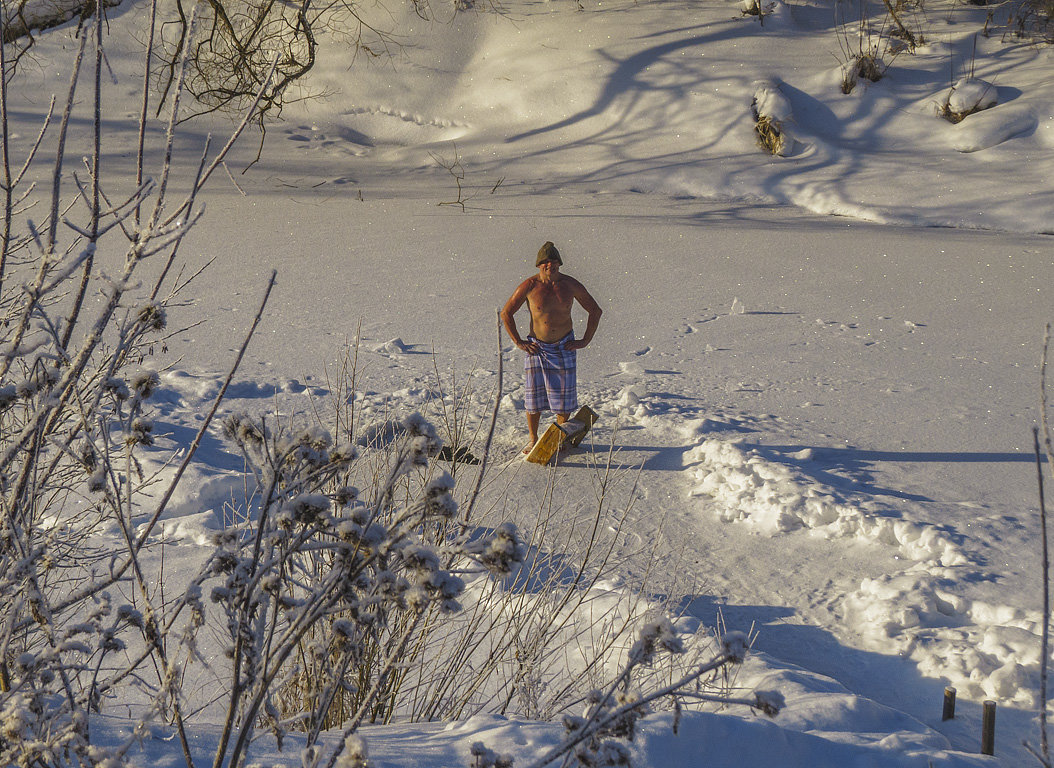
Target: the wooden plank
(572, 432)
(548, 444)
(586, 416)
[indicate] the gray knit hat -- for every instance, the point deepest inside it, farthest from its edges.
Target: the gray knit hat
(548, 252)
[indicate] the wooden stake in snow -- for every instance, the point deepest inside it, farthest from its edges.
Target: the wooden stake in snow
(988, 728)
(949, 704)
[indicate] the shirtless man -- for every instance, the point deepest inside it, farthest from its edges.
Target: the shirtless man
(551, 347)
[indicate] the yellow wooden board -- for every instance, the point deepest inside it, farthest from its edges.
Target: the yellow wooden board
(547, 445)
(586, 416)
(554, 436)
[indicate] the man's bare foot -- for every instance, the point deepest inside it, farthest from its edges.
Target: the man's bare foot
(528, 448)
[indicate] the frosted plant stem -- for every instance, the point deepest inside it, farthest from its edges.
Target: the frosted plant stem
(145, 106)
(490, 434)
(151, 628)
(1044, 404)
(173, 119)
(1044, 745)
(1044, 756)
(93, 235)
(60, 151)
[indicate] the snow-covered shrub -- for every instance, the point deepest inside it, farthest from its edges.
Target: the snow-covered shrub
(866, 65)
(759, 8)
(867, 51)
(967, 96)
(771, 110)
(767, 12)
(600, 737)
(325, 589)
(506, 651)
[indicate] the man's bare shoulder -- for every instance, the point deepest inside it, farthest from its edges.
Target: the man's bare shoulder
(525, 287)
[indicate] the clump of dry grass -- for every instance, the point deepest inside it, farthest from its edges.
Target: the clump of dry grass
(1032, 20)
(866, 65)
(771, 110)
(769, 132)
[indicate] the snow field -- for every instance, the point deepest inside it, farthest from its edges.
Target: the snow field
(644, 131)
(576, 644)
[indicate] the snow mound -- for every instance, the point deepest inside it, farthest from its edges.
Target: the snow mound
(742, 486)
(773, 114)
(992, 128)
(970, 95)
(391, 347)
(986, 651)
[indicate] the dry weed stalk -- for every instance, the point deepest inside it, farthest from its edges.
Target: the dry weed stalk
(75, 417)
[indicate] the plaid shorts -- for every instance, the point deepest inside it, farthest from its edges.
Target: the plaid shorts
(552, 377)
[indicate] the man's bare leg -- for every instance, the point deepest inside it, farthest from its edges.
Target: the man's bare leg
(533, 420)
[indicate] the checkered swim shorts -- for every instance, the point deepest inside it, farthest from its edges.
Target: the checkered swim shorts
(551, 377)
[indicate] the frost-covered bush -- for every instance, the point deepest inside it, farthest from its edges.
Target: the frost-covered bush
(768, 12)
(867, 65)
(84, 287)
(600, 737)
(324, 588)
(868, 50)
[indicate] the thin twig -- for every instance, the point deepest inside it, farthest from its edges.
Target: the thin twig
(490, 433)
(1045, 633)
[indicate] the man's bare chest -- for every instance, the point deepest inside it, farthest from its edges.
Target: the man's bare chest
(550, 297)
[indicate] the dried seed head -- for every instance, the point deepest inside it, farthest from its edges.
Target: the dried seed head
(140, 432)
(152, 315)
(144, 383)
(117, 387)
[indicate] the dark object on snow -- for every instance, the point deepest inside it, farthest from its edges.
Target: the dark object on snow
(988, 728)
(460, 454)
(949, 704)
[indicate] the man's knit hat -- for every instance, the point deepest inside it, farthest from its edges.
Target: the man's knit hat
(548, 252)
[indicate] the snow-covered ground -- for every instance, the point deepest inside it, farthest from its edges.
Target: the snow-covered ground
(817, 374)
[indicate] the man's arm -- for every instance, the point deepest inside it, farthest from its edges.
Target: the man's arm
(508, 312)
(590, 305)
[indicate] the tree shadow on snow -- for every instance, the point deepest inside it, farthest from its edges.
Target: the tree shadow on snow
(889, 679)
(850, 469)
